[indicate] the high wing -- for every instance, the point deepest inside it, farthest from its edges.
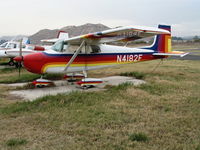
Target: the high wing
(128, 33)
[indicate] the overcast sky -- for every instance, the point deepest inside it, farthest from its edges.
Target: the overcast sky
(28, 16)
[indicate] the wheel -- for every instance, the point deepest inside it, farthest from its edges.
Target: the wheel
(84, 87)
(40, 86)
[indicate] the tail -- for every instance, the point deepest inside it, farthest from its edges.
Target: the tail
(62, 35)
(162, 42)
(26, 40)
(162, 45)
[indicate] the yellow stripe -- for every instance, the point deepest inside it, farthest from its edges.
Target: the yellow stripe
(52, 65)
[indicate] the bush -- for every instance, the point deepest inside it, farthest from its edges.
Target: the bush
(140, 137)
(16, 142)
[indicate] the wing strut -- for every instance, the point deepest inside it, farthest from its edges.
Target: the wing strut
(74, 56)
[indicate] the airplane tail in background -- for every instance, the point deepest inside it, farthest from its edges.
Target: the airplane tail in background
(63, 35)
(26, 40)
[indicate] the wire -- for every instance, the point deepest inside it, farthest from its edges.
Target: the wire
(154, 69)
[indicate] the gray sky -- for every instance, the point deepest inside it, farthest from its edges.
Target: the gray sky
(28, 16)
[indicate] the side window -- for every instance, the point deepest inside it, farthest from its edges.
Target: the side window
(15, 46)
(95, 49)
(65, 47)
(10, 45)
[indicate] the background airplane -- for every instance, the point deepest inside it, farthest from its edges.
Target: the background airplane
(11, 48)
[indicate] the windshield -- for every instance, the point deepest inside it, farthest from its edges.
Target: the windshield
(12, 45)
(58, 46)
(3, 45)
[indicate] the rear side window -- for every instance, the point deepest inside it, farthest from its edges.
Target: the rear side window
(95, 49)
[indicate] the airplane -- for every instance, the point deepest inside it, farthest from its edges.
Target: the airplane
(11, 45)
(11, 49)
(92, 51)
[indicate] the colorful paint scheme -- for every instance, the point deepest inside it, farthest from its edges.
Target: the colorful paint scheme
(89, 82)
(42, 83)
(93, 53)
(74, 76)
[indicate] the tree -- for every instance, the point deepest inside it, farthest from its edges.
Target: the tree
(196, 39)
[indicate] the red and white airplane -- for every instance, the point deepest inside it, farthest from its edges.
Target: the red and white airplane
(90, 51)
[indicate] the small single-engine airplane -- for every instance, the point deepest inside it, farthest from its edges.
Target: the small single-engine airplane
(12, 45)
(90, 51)
(11, 49)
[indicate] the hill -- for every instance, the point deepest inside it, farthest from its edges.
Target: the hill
(72, 30)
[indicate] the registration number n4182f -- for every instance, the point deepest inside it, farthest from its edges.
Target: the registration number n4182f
(129, 58)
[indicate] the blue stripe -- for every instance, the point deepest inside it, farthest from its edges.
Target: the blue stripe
(65, 55)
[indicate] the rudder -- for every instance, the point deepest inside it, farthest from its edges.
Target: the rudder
(162, 42)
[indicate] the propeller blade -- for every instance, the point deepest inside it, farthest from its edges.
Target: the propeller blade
(20, 48)
(20, 54)
(19, 67)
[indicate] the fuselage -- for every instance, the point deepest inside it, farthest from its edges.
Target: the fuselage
(11, 49)
(107, 56)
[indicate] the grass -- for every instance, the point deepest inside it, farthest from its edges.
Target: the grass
(162, 114)
(7, 70)
(21, 79)
(139, 137)
(11, 75)
(16, 142)
(137, 75)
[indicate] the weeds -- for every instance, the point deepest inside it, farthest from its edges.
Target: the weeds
(139, 137)
(7, 70)
(16, 142)
(22, 78)
(137, 75)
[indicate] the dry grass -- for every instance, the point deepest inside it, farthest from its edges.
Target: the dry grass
(178, 46)
(165, 111)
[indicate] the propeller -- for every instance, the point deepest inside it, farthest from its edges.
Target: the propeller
(20, 55)
(19, 58)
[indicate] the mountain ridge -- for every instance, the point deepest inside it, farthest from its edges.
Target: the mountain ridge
(72, 30)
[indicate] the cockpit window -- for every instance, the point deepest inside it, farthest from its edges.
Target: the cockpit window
(3, 45)
(58, 46)
(11, 45)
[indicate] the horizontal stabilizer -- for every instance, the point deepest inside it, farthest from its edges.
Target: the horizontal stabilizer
(173, 53)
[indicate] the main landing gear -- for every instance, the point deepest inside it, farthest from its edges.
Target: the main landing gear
(41, 83)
